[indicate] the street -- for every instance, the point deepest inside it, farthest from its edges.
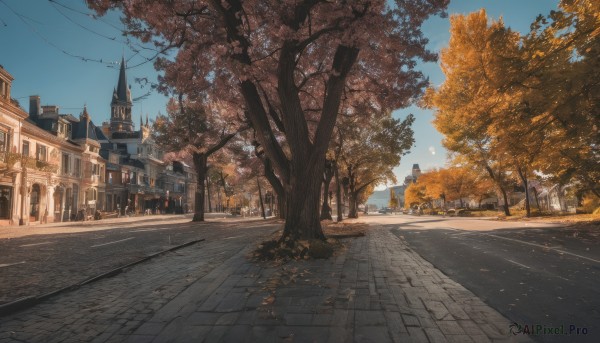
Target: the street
(33, 263)
(535, 274)
(473, 279)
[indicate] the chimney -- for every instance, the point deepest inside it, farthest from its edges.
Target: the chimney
(34, 106)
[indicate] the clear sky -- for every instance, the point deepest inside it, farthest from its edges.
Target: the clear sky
(54, 50)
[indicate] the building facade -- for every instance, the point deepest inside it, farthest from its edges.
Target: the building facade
(59, 167)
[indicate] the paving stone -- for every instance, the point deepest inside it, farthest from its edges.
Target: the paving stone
(369, 318)
(395, 324)
(298, 319)
(470, 328)
(435, 335)
(460, 339)
(450, 328)
(322, 319)
(228, 318)
(376, 290)
(203, 318)
(150, 329)
(417, 335)
(438, 309)
(373, 334)
(236, 334)
(139, 339)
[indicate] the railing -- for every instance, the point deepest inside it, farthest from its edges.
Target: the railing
(11, 158)
(46, 166)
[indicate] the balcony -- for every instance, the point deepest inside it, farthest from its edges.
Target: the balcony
(46, 166)
(91, 179)
(8, 160)
(136, 189)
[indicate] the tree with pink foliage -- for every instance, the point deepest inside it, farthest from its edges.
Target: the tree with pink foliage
(293, 65)
(196, 130)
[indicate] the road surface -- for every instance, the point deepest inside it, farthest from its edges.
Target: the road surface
(534, 274)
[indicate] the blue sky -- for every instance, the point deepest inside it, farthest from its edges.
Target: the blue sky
(39, 39)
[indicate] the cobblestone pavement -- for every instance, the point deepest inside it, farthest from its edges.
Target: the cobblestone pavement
(38, 260)
(375, 290)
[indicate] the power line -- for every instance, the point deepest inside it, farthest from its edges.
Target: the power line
(90, 15)
(128, 42)
(35, 31)
(114, 39)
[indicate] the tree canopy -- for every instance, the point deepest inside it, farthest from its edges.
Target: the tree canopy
(293, 66)
(519, 106)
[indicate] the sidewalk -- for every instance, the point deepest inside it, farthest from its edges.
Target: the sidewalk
(376, 290)
(92, 225)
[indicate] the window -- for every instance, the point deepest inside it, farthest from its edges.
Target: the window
(77, 167)
(91, 195)
(66, 164)
(25, 150)
(40, 154)
(134, 178)
(64, 130)
(3, 141)
(110, 178)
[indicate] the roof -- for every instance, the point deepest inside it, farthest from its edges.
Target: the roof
(125, 135)
(85, 128)
(99, 134)
(134, 163)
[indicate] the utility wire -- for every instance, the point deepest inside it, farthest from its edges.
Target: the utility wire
(90, 15)
(36, 32)
(128, 42)
(114, 39)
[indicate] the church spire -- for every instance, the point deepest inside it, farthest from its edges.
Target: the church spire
(146, 119)
(122, 90)
(121, 119)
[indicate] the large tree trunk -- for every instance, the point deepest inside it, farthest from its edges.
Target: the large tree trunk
(301, 175)
(208, 193)
(526, 186)
(262, 205)
(338, 193)
(281, 207)
(200, 163)
(537, 199)
(500, 186)
(302, 214)
(277, 187)
(327, 176)
(352, 194)
(353, 206)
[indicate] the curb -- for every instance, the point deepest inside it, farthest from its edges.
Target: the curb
(29, 301)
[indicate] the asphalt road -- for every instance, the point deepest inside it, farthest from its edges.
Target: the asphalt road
(37, 263)
(546, 276)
